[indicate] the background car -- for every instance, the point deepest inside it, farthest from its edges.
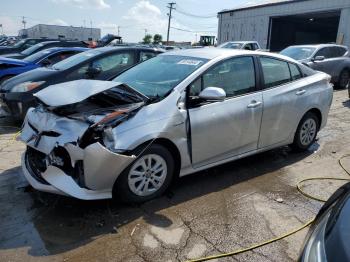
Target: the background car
(100, 63)
(173, 115)
(329, 236)
(329, 58)
(44, 45)
(12, 67)
(246, 45)
(22, 45)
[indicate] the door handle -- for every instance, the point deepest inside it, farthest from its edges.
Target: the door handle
(254, 104)
(300, 92)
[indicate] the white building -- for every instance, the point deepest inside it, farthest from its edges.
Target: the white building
(278, 24)
(61, 32)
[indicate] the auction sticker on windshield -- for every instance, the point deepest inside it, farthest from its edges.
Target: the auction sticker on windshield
(189, 62)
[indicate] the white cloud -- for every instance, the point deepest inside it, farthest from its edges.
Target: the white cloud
(10, 26)
(145, 15)
(58, 22)
(85, 4)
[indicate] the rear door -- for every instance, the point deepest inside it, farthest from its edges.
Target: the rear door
(283, 89)
(220, 130)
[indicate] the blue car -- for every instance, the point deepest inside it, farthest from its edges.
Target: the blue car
(11, 67)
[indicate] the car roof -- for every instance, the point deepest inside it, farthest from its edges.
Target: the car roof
(212, 52)
(241, 42)
(113, 48)
(54, 49)
(320, 45)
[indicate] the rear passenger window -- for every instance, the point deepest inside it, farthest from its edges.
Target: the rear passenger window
(236, 76)
(146, 55)
(294, 71)
(276, 72)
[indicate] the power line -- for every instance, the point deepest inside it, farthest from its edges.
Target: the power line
(191, 31)
(170, 6)
(183, 12)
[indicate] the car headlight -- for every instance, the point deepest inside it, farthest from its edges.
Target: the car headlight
(26, 86)
(314, 250)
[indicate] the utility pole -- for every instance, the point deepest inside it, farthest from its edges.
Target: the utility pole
(91, 28)
(170, 6)
(24, 22)
(145, 32)
(118, 28)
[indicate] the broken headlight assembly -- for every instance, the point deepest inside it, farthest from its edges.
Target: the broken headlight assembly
(26, 86)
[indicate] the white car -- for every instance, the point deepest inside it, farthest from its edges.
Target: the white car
(173, 115)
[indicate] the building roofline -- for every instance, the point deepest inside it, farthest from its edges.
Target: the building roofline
(64, 26)
(259, 6)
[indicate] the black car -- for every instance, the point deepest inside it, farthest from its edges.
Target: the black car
(44, 45)
(329, 236)
(22, 45)
(16, 94)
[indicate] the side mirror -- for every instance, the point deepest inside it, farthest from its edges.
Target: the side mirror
(213, 94)
(93, 71)
(318, 58)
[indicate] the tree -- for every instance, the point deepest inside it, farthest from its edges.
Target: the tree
(157, 38)
(147, 39)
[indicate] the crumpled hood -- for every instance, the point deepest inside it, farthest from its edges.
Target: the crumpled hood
(73, 92)
(11, 61)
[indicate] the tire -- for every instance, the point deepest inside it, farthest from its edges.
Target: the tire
(344, 79)
(129, 189)
(2, 80)
(306, 132)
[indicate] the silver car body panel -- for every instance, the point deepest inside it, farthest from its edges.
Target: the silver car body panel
(220, 131)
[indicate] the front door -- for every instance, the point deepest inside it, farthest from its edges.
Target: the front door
(220, 130)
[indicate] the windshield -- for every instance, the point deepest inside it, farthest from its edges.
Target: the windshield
(231, 45)
(37, 56)
(32, 49)
(75, 60)
(298, 53)
(19, 44)
(157, 76)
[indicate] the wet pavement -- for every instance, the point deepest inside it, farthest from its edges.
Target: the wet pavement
(218, 210)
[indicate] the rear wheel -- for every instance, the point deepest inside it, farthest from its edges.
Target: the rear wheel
(344, 79)
(306, 132)
(147, 177)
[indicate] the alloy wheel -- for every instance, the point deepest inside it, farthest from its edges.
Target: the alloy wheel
(147, 175)
(308, 132)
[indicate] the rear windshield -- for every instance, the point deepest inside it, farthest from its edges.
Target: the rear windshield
(32, 49)
(231, 45)
(37, 56)
(75, 59)
(298, 52)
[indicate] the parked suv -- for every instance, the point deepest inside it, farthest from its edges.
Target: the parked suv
(329, 58)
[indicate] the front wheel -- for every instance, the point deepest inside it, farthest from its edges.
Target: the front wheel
(306, 132)
(344, 79)
(147, 177)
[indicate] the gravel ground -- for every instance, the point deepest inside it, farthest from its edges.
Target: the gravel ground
(219, 210)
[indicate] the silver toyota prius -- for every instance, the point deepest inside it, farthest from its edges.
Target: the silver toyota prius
(173, 115)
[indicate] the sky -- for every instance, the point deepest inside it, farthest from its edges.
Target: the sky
(134, 17)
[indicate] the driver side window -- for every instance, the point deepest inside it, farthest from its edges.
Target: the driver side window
(236, 76)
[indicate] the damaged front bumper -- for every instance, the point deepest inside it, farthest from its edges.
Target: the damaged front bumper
(54, 163)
